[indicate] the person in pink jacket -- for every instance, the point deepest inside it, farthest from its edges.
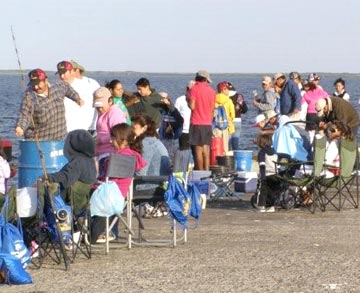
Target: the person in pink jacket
(108, 116)
(312, 94)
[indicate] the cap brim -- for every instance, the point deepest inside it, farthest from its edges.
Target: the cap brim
(320, 113)
(98, 104)
(34, 82)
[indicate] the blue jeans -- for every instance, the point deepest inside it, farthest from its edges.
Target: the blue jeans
(234, 140)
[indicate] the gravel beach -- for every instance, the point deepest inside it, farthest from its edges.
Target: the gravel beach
(234, 249)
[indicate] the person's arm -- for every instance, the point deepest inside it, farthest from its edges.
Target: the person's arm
(270, 103)
(296, 96)
(67, 176)
(25, 114)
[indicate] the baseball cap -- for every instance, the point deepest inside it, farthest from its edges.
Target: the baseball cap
(313, 76)
(232, 89)
(204, 73)
(320, 105)
(222, 86)
(259, 118)
(76, 65)
(164, 95)
(36, 75)
(101, 96)
(294, 75)
(63, 66)
(266, 79)
(278, 75)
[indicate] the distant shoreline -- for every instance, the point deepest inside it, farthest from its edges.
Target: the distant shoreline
(16, 71)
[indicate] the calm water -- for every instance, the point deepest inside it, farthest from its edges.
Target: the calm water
(174, 84)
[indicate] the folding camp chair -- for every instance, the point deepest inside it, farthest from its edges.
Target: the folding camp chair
(120, 166)
(81, 233)
(306, 181)
(150, 189)
(48, 231)
(341, 185)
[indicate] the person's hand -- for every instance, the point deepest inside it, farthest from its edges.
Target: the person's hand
(322, 125)
(80, 102)
(19, 131)
(255, 103)
(166, 101)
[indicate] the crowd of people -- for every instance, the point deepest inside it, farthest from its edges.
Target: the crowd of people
(166, 136)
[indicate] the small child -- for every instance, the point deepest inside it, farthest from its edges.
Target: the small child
(266, 159)
(4, 174)
(122, 138)
(79, 149)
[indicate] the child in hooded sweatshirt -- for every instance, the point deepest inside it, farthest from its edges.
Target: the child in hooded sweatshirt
(79, 149)
(223, 99)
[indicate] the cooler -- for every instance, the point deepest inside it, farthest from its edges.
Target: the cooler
(246, 182)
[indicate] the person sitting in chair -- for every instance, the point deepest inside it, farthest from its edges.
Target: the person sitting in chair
(77, 176)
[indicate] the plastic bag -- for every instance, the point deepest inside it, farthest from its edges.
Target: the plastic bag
(107, 200)
(11, 270)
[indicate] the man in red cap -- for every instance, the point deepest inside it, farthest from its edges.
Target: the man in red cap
(42, 112)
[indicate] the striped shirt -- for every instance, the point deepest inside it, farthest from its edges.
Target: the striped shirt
(48, 112)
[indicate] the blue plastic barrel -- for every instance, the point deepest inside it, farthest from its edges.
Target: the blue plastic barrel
(30, 167)
(243, 160)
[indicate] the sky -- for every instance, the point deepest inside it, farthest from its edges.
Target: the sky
(183, 36)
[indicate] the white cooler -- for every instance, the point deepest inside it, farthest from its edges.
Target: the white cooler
(245, 181)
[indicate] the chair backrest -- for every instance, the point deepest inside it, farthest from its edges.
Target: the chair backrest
(347, 156)
(121, 166)
(319, 154)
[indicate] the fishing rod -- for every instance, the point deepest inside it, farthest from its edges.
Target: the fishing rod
(28, 100)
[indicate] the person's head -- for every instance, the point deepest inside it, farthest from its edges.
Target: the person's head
(279, 80)
(78, 70)
(2, 151)
(322, 107)
(102, 100)
(116, 88)
(314, 77)
(264, 140)
(295, 76)
(223, 87)
(143, 87)
(271, 117)
(144, 126)
(203, 76)
(65, 71)
(122, 136)
(79, 142)
(266, 82)
(338, 129)
(339, 85)
(38, 81)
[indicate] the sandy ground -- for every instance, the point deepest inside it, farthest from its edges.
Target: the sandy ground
(234, 249)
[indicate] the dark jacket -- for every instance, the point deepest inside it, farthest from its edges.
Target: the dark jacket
(290, 98)
(79, 149)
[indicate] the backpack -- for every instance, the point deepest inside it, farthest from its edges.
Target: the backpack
(220, 120)
(178, 201)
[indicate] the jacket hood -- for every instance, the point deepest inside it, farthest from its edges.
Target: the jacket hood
(79, 143)
(221, 99)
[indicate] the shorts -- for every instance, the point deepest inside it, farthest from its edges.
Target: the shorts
(200, 135)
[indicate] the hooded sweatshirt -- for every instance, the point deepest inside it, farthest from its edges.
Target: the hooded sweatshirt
(224, 100)
(79, 149)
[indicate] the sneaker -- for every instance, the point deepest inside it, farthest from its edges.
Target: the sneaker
(102, 238)
(261, 209)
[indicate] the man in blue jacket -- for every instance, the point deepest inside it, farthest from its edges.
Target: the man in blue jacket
(290, 97)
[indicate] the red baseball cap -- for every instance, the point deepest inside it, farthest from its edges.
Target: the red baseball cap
(63, 66)
(36, 75)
